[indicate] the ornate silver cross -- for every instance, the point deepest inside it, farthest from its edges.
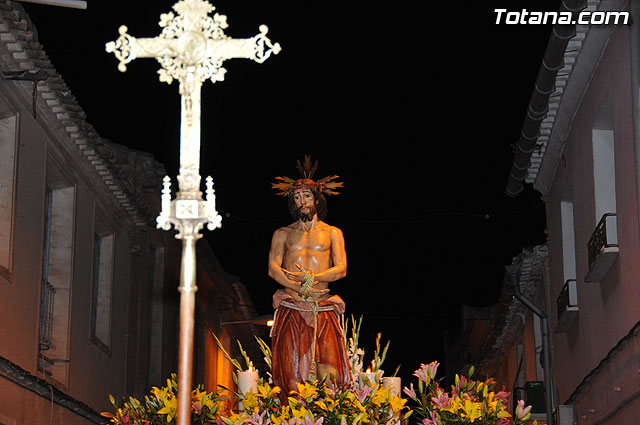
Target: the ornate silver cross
(191, 49)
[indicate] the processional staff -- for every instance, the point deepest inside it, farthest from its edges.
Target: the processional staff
(191, 49)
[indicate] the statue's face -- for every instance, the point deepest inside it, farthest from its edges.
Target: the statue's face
(305, 204)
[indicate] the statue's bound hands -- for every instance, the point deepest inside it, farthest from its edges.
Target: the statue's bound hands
(300, 276)
(294, 276)
(306, 281)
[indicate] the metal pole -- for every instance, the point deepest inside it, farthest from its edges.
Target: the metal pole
(187, 290)
(513, 271)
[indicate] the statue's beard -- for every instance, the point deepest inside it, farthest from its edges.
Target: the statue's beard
(307, 215)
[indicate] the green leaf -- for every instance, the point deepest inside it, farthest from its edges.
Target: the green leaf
(247, 361)
(395, 373)
(266, 350)
(226, 355)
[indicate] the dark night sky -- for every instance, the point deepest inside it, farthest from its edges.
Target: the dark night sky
(415, 108)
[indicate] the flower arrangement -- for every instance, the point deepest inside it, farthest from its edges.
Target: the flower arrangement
(319, 402)
(161, 405)
(468, 402)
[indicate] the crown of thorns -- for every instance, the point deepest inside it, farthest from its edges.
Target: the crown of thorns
(287, 185)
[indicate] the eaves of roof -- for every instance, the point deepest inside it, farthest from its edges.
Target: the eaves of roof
(505, 323)
(543, 133)
(116, 167)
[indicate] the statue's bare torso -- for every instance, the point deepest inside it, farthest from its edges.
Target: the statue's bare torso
(303, 246)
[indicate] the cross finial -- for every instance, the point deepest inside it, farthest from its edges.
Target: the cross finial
(191, 48)
(192, 39)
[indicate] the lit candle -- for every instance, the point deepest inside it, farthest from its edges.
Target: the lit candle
(248, 381)
(371, 378)
(393, 383)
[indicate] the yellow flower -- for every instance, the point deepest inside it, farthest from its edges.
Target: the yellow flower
(293, 402)
(362, 417)
(162, 394)
(277, 420)
(250, 402)
(199, 395)
(307, 390)
(472, 410)
(236, 419)
(208, 402)
(266, 390)
(300, 413)
(169, 409)
(491, 401)
(285, 415)
(454, 405)
(503, 414)
(397, 403)
(379, 397)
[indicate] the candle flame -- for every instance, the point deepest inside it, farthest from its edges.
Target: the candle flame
(250, 367)
(270, 323)
(368, 370)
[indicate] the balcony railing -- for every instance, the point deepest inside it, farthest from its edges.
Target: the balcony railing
(602, 247)
(567, 306)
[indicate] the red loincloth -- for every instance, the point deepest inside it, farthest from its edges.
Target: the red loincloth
(293, 335)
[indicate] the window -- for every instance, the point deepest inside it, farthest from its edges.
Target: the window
(604, 169)
(57, 275)
(8, 149)
(604, 172)
(102, 284)
(568, 240)
(602, 247)
(47, 291)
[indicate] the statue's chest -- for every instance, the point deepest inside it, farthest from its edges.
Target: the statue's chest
(308, 241)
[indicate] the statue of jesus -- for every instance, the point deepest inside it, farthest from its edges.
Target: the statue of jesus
(305, 256)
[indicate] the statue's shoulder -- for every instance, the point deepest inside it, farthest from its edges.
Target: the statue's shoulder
(282, 232)
(324, 226)
(286, 230)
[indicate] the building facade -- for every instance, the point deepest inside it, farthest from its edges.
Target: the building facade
(88, 285)
(505, 341)
(583, 159)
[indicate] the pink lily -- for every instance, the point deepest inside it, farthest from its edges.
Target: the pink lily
(309, 421)
(411, 392)
(503, 395)
(441, 400)
(521, 411)
(258, 419)
(432, 421)
(363, 393)
(427, 372)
